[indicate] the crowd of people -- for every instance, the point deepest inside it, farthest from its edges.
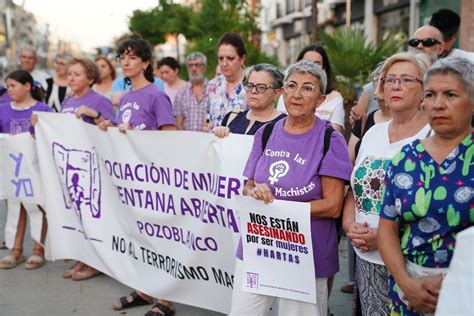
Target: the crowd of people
(401, 188)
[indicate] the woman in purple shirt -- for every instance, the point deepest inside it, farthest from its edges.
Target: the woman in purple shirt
(322, 172)
(15, 117)
(144, 107)
(84, 102)
(92, 108)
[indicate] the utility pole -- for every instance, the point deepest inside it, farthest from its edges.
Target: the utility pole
(314, 21)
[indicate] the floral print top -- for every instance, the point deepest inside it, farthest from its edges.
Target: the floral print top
(431, 202)
(219, 102)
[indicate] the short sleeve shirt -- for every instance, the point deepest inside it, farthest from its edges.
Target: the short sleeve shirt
(300, 163)
(192, 109)
(219, 102)
(15, 120)
(431, 202)
(93, 100)
(147, 108)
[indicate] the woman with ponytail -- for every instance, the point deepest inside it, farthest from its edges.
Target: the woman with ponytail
(15, 117)
(144, 107)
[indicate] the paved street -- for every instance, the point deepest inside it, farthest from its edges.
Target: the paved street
(45, 292)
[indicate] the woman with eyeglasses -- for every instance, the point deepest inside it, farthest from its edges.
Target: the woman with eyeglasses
(429, 194)
(401, 87)
(332, 109)
(56, 86)
(263, 86)
(323, 172)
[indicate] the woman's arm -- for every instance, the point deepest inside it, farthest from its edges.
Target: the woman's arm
(180, 122)
(389, 247)
(168, 127)
(351, 146)
(330, 205)
(355, 231)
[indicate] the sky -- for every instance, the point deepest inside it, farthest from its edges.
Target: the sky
(88, 23)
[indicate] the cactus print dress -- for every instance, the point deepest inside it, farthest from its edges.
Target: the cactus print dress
(431, 202)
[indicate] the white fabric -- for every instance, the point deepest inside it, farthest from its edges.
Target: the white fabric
(244, 303)
(376, 146)
(455, 52)
(332, 110)
(34, 215)
(457, 290)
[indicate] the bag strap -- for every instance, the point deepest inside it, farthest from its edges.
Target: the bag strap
(267, 131)
(327, 139)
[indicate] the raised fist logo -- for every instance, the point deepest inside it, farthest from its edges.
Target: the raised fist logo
(278, 170)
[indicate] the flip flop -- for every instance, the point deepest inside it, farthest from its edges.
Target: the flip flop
(165, 310)
(9, 261)
(137, 300)
(34, 262)
(85, 274)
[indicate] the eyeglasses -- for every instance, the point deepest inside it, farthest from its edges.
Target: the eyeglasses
(260, 87)
(197, 65)
(405, 80)
(307, 90)
(426, 42)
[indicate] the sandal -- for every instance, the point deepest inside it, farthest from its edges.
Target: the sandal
(75, 268)
(85, 274)
(163, 310)
(137, 300)
(34, 262)
(11, 261)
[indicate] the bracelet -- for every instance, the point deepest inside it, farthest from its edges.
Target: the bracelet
(98, 115)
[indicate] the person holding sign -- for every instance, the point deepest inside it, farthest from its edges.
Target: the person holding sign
(299, 158)
(144, 107)
(15, 118)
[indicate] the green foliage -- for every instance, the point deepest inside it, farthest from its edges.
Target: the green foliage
(202, 28)
(364, 57)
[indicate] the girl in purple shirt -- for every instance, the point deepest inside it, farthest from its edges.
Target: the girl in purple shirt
(144, 107)
(15, 117)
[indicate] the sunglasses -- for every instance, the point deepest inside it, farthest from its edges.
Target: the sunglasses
(426, 42)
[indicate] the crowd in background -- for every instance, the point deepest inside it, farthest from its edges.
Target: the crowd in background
(400, 188)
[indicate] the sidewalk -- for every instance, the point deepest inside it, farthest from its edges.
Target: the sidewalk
(44, 291)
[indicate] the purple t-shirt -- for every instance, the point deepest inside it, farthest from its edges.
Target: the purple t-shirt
(147, 108)
(92, 100)
(15, 121)
(303, 163)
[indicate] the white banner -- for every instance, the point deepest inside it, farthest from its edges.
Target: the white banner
(151, 209)
(20, 182)
(276, 249)
(20, 179)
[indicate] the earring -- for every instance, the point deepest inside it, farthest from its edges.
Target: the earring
(421, 107)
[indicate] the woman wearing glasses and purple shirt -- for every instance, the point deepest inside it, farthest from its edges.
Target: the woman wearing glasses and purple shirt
(402, 89)
(263, 85)
(144, 107)
(301, 133)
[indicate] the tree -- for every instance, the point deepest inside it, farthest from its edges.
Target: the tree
(364, 57)
(202, 28)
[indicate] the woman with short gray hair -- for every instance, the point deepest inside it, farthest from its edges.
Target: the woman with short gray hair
(263, 84)
(325, 168)
(429, 192)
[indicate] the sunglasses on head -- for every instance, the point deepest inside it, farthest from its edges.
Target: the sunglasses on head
(426, 42)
